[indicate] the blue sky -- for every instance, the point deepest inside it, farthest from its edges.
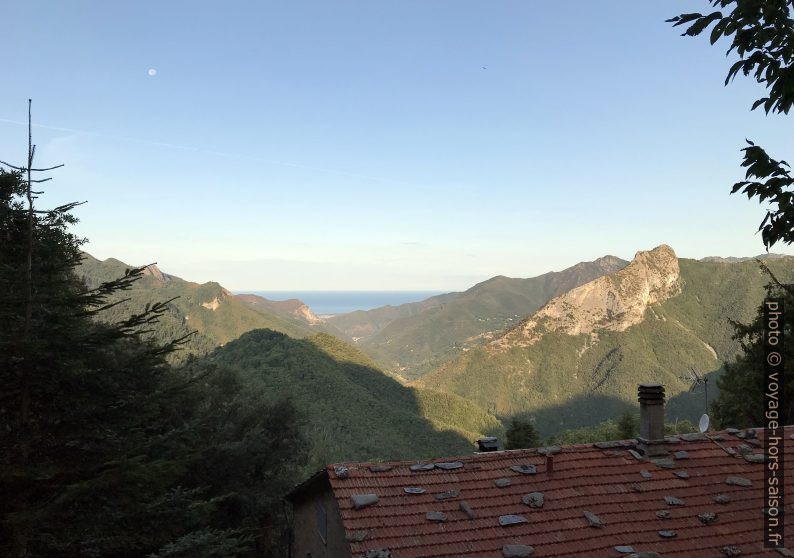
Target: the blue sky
(383, 144)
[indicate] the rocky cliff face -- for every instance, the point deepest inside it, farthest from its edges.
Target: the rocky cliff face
(614, 302)
(155, 272)
(304, 312)
(291, 307)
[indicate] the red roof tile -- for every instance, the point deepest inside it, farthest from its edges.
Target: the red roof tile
(606, 482)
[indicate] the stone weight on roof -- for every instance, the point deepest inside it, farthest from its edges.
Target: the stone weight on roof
(517, 551)
(528, 469)
(593, 520)
(507, 520)
(363, 500)
(533, 499)
(602, 481)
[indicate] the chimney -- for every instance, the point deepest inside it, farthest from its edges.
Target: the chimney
(488, 443)
(651, 397)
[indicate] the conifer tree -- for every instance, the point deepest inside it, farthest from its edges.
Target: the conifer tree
(740, 403)
(627, 426)
(521, 434)
(106, 450)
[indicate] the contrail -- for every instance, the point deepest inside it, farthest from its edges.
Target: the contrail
(205, 151)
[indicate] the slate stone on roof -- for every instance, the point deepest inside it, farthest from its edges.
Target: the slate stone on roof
(755, 458)
(533, 499)
(341, 471)
(512, 519)
(739, 481)
(601, 481)
(550, 450)
(448, 495)
(436, 516)
(528, 469)
(448, 466)
(663, 462)
(363, 500)
(357, 536)
(731, 550)
(466, 509)
(707, 518)
(502, 483)
(693, 437)
(517, 551)
(593, 520)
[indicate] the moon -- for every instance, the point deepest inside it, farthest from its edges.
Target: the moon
(152, 72)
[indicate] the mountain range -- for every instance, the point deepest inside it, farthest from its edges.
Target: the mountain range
(579, 358)
(413, 339)
(565, 349)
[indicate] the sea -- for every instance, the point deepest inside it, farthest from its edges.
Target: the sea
(328, 303)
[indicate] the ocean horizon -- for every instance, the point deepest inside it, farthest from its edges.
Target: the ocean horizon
(326, 303)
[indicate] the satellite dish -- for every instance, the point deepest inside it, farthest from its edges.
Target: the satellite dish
(703, 425)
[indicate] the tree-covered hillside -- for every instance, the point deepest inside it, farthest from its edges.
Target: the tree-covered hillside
(354, 411)
(211, 311)
(412, 346)
(568, 381)
(106, 449)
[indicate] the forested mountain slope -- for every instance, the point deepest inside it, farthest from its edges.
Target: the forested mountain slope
(412, 346)
(209, 309)
(578, 360)
(353, 410)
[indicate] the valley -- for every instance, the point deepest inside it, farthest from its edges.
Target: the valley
(564, 349)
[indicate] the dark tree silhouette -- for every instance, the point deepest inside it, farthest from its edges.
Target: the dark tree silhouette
(762, 34)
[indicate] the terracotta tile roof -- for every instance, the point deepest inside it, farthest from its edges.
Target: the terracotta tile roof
(606, 482)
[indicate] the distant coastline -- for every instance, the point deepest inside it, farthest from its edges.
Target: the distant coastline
(328, 303)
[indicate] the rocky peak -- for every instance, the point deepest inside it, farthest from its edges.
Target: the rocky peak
(615, 301)
(306, 313)
(610, 263)
(155, 272)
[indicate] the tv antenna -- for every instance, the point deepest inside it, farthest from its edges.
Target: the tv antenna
(698, 380)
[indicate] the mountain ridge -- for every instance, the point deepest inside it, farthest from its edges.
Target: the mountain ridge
(413, 345)
(572, 376)
(614, 301)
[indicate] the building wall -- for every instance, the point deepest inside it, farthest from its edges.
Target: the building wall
(307, 525)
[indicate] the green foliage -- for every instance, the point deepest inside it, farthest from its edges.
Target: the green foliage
(761, 34)
(627, 426)
(353, 410)
(742, 386)
(520, 435)
(774, 183)
(570, 381)
(602, 432)
(106, 450)
(415, 344)
(610, 430)
(213, 324)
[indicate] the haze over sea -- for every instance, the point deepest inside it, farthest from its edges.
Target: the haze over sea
(325, 303)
